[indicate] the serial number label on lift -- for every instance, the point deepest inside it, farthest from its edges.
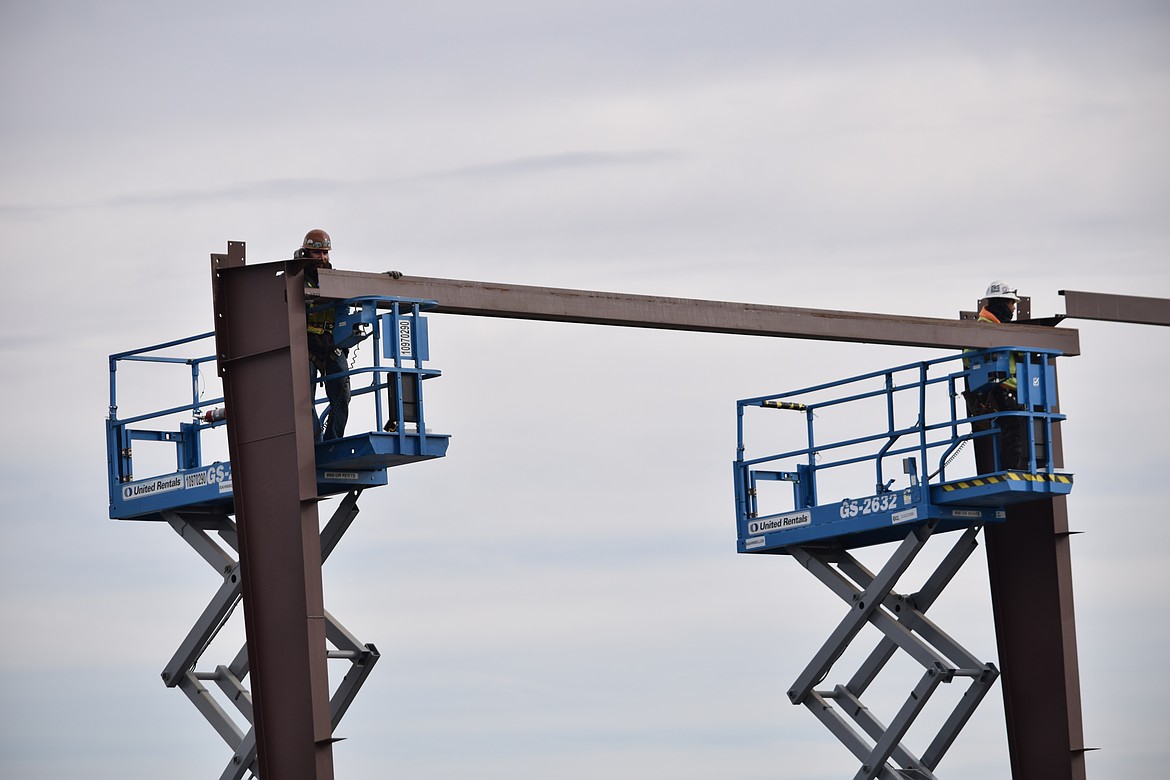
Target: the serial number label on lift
(405, 342)
(904, 516)
(216, 474)
(869, 506)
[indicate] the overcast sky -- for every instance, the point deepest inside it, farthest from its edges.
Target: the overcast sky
(560, 597)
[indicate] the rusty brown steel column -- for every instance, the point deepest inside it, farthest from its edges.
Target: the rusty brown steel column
(263, 360)
(1029, 563)
(1030, 568)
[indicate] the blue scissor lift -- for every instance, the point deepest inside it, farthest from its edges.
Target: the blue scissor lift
(911, 421)
(193, 493)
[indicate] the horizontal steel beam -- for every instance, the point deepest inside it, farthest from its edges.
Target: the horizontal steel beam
(514, 301)
(1116, 308)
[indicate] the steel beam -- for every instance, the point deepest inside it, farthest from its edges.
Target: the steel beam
(263, 360)
(1029, 563)
(1116, 308)
(489, 299)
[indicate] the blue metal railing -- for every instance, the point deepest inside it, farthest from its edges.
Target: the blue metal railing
(927, 397)
(394, 362)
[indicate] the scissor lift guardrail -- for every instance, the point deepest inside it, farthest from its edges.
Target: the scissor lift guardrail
(915, 414)
(195, 497)
(398, 435)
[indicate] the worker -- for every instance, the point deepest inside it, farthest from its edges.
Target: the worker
(324, 357)
(998, 306)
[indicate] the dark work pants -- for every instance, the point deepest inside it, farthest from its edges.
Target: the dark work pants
(1012, 440)
(336, 390)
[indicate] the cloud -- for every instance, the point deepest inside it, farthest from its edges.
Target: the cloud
(557, 163)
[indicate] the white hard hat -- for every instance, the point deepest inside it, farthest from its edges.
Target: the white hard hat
(1001, 290)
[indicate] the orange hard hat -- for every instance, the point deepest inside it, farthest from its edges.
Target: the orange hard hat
(316, 239)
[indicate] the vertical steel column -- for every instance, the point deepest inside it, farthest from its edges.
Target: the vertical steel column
(263, 360)
(1030, 567)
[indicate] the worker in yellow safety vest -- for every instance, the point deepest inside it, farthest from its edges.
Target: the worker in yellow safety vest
(324, 357)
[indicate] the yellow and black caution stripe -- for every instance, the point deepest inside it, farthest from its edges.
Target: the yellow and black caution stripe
(785, 405)
(1011, 476)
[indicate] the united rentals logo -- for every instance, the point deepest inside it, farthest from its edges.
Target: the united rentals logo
(151, 487)
(768, 525)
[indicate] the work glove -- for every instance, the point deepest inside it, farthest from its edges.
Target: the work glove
(394, 274)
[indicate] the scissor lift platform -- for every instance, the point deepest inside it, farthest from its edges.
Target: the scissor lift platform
(819, 528)
(357, 461)
(925, 395)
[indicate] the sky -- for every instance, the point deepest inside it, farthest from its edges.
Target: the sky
(560, 596)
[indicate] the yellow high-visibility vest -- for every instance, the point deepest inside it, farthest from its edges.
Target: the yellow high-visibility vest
(1010, 382)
